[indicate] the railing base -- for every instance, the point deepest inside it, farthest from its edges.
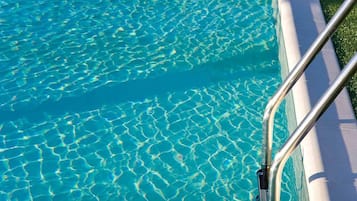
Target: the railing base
(262, 176)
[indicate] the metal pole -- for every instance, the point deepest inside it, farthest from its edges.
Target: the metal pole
(292, 78)
(305, 126)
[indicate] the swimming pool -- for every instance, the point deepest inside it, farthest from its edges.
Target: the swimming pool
(135, 100)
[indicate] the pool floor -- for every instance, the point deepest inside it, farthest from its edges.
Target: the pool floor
(135, 100)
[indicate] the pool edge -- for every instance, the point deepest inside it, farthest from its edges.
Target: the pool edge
(320, 177)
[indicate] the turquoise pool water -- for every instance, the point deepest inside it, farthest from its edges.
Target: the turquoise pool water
(135, 99)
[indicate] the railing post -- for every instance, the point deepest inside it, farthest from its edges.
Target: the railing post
(285, 87)
(294, 75)
(305, 126)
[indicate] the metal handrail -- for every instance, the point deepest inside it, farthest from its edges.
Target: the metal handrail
(305, 126)
(289, 82)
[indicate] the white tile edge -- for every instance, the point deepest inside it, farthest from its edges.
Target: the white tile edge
(317, 189)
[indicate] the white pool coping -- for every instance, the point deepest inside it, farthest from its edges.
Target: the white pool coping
(329, 151)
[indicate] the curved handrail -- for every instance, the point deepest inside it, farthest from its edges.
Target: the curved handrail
(294, 75)
(264, 174)
(305, 126)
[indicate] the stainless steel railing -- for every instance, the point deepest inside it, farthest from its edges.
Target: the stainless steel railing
(305, 126)
(264, 174)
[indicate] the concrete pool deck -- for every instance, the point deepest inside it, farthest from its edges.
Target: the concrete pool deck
(329, 151)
